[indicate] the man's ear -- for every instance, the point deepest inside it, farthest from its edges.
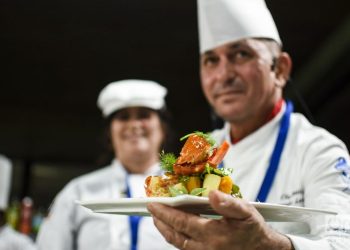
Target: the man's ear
(282, 69)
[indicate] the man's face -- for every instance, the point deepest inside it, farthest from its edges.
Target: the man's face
(238, 81)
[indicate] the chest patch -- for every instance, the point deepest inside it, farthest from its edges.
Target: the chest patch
(343, 167)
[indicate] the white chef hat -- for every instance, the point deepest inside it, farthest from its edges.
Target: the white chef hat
(131, 93)
(5, 181)
(223, 21)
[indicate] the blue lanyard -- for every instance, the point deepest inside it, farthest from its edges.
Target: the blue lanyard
(276, 154)
(134, 221)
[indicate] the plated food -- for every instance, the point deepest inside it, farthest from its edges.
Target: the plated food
(195, 171)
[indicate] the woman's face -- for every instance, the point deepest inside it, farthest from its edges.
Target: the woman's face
(136, 133)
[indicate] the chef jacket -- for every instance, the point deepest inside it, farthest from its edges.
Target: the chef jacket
(313, 172)
(13, 240)
(70, 226)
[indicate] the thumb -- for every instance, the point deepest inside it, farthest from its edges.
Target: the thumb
(228, 206)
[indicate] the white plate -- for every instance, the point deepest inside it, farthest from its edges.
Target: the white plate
(198, 205)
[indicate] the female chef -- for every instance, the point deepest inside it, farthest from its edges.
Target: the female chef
(134, 110)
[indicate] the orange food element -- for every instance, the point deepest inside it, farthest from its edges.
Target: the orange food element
(219, 154)
(188, 169)
(193, 182)
(195, 150)
(226, 185)
(195, 154)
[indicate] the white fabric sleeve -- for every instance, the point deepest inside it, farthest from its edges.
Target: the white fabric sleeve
(57, 231)
(326, 188)
(13, 240)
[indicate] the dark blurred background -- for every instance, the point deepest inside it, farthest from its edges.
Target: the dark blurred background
(57, 55)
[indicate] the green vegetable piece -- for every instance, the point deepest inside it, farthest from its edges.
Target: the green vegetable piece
(217, 172)
(208, 168)
(178, 189)
(236, 192)
(167, 160)
(197, 191)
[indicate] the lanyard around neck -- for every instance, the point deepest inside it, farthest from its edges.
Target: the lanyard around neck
(276, 154)
(134, 221)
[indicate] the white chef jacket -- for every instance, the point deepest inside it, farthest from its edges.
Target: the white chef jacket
(313, 172)
(12, 240)
(70, 226)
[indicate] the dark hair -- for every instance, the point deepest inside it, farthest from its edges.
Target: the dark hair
(108, 153)
(274, 48)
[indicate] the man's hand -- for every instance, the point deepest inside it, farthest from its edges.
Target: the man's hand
(242, 227)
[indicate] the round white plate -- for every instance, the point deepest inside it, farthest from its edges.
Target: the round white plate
(199, 205)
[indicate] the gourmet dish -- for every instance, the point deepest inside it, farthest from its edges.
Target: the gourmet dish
(195, 171)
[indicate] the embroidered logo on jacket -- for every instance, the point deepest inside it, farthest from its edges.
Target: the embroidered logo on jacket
(295, 198)
(344, 168)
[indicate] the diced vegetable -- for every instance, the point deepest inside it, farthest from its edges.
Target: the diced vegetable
(197, 191)
(193, 182)
(226, 184)
(178, 189)
(236, 191)
(211, 182)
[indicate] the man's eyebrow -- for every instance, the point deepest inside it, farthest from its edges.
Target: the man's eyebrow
(208, 53)
(236, 45)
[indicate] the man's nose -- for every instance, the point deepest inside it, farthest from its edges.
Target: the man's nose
(225, 71)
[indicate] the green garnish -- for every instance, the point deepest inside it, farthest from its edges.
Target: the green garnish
(184, 178)
(217, 171)
(207, 168)
(197, 191)
(235, 191)
(167, 160)
(206, 136)
(177, 190)
(226, 171)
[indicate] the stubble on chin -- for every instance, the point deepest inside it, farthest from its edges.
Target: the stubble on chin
(229, 111)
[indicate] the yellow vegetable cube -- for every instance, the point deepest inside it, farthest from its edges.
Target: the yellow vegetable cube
(226, 184)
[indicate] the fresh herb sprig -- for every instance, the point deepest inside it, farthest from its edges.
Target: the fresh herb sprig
(167, 160)
(206, 136)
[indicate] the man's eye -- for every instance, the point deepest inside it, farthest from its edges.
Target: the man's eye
(243, 54)
(240, 56)
(210, 60)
